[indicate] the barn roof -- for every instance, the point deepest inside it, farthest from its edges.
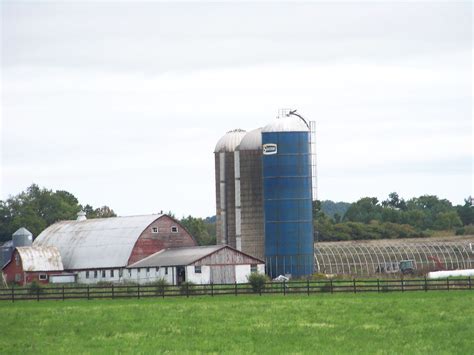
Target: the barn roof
(182, 256)
(95, 243)
(40, 258)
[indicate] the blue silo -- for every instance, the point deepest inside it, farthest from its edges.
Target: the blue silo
(287, 195)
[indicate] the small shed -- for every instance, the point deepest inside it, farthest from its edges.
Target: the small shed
(33, 263)
(218, 264)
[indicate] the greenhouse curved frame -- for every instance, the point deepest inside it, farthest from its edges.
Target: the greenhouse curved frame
(375, 257)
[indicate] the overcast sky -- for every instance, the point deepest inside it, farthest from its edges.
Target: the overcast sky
(122, 103)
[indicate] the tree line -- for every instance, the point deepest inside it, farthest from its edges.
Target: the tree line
(369, 218)
(37, 208)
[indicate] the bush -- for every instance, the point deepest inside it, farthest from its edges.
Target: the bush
(35, 288)
(160, 285)
(257, 281)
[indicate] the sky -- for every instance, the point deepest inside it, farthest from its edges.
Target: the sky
(122, 103)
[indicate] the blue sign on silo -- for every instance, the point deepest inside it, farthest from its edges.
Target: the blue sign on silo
(287, 198)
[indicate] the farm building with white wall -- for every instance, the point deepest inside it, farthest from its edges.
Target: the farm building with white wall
(100, 249)
(201, 265)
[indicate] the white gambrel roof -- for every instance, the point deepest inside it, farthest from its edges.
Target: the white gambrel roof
(252, 140)
(95, 243)
(40, 258)
(286, 124)
(229, 141)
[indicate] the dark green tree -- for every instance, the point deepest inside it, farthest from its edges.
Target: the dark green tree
(37, 208)
(199, 230)
(466, 211)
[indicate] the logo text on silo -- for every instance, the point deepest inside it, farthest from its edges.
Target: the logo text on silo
(270, 148)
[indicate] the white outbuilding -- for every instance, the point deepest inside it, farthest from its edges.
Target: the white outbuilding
(217, 264)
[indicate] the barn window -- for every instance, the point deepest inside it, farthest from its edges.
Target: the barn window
(154, 230)
(253, 268)
(43, 277)
(95, 274)
(17, 277)
(129, 272)
(103, 273)
(166, 270)
(174, 229)
(17, 260)
(156, 269)
(112, 273)
(197, 269)
(120, 272)
(147, 270)
(87, 274)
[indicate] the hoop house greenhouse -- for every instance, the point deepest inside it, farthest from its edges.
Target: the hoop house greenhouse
(377, 257)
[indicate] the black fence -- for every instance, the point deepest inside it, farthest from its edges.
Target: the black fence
(188, 290)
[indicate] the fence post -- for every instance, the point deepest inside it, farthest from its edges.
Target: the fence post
(378, 286)
(330, 285)
(212, 289)
(38, 294)
(138, 291)
(113, 293)
(447, 283)
(63, 292)
(88, 293)
(401, 282)
(354, 283)
(187, 289)
(235, 287)
(13, 294)
(470, 285)
(426, 285)
(284, 288)
(307, 284)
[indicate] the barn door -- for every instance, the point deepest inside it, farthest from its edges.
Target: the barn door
(223, 274)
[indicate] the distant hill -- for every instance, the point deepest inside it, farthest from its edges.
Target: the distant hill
(330, 208)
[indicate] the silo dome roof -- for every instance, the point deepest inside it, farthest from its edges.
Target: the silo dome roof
(229, 141)
(252, 140)
(22, 232)
(286, 124)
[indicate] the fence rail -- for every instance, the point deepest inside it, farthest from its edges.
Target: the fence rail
(187, 290)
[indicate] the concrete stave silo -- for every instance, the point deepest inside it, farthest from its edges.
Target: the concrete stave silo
(225, 186)
(287, 196)
(249, 194)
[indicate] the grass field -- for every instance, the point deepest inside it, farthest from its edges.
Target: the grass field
(417, 322)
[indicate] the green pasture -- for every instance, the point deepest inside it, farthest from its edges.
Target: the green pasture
(405, 323)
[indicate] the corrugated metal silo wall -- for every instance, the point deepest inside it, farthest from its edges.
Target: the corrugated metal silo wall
(287, 205)
(225, 198)
(251, 201)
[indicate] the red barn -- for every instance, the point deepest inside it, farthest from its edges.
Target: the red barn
(33, 263)
(100, 249)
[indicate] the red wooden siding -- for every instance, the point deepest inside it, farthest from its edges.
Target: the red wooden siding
(149, 243)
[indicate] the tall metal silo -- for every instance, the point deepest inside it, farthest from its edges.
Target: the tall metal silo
(22, 238)
(249, 195)
(225, 186)
(287, 193)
